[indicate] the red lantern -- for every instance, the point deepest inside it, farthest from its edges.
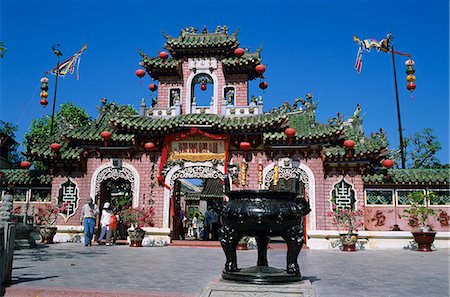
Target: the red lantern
(140, 73)
(245, 145)
(203, 87)
(263, 85)
(163, 55)
(260, 69)
(149, 146)
(152, 87)
(349, 144)
(44, 102)
(387, 163)
(55, 147)
(239, 52)
(290, 132)
(411, 86)
(106, 135)
(25, 164)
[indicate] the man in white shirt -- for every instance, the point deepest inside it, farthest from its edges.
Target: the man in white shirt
(89, 211)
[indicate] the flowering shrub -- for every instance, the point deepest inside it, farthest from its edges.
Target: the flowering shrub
(48, 213)
(138, 217)
(346, 220)
(418, 211)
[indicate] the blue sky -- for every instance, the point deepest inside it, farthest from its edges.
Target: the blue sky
(307, 46)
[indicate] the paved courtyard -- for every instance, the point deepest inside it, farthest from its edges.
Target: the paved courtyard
(60, 269)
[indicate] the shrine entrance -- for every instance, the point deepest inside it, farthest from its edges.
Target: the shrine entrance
(115, 183)
(198, 196)
(195, 189)
(293, 176)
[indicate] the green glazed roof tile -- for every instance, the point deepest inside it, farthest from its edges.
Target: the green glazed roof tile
(67, 152)
(24, 177)
(409, 176)
(304, 130)
(220, 122)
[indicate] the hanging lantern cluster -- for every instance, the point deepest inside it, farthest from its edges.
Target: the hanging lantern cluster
(410, 78)
(260, 69)
(44, 89)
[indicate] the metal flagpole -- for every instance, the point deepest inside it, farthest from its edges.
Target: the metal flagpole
(58, 54)
(400, 131)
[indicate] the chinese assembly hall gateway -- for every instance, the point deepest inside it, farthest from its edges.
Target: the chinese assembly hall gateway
(228, 141)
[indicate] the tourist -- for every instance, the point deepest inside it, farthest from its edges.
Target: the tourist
(195, 225)
(207, 225)
(88, 213)
(215, 224)
(183, 219)
(104, 222)
(113, 224)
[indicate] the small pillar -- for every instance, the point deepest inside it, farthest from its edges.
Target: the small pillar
(143, 106)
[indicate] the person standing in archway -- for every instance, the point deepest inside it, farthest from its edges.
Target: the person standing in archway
(88, 213)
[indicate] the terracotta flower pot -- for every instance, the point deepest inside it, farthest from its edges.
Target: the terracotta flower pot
(349, 242)
(136, 237)
(47, 234)
(424, 240)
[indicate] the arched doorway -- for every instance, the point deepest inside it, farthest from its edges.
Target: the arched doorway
(209, 174)
(195, 78)
(297, 177)
(117, 183)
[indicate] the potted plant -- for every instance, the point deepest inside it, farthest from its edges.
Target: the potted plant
(137, 218)
(418, 214)
(348, 222)
(46, 216)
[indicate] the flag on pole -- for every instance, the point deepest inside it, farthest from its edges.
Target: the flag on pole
(366, 45)
(69, 65)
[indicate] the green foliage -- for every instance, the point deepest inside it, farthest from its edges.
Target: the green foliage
(420, 150)
(10, 130)
(419, 211)
(68, 117)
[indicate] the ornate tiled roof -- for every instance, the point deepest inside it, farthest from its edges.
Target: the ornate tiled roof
(156, 66)
(24, 177)
(218, 122)
(91, 134)
(190, 41)
(305, 131)
(244, 64)
(67, 152)
(409, 176)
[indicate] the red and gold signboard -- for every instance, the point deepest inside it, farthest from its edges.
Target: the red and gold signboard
(197, 148)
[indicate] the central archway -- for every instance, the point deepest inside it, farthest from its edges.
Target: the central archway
(299, 171)
(190, 170)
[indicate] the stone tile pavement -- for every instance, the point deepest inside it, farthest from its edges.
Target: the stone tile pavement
(69, 269)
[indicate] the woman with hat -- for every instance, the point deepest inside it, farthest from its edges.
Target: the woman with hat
(104, 222)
